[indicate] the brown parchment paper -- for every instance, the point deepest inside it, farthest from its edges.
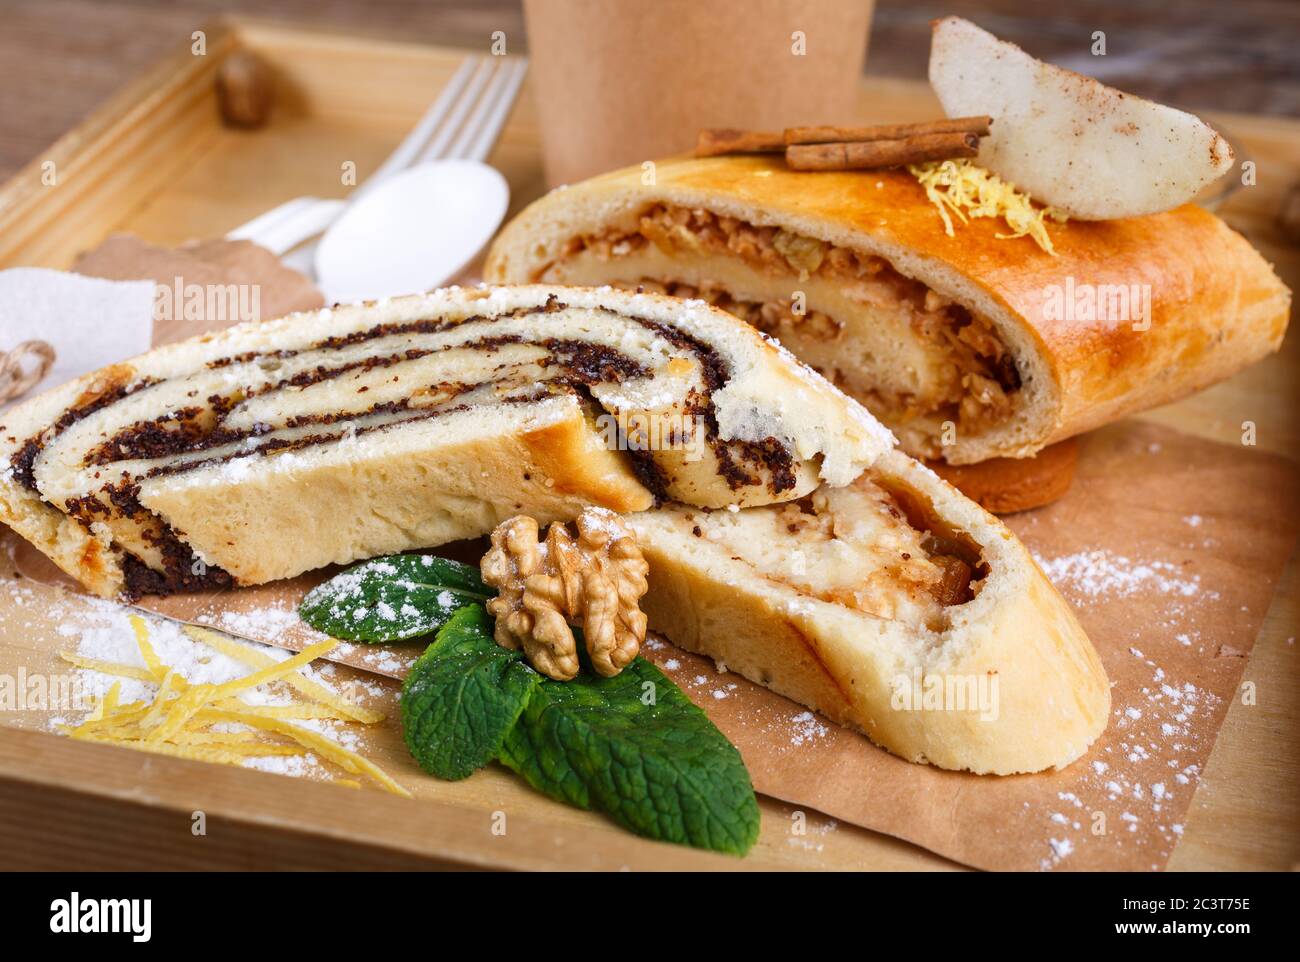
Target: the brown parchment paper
(272, 288)
(1168, 546)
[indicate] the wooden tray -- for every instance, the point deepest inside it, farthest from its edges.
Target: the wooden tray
(156, 161)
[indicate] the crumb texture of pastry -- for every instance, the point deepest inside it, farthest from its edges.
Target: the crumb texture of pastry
(1003, 346)
(893, 606)
(266, 450)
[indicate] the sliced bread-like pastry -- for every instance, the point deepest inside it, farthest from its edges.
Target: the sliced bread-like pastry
(785, 536)
(266, 450)
(967, 345)
(893, 606)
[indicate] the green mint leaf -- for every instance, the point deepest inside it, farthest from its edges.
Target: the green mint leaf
(392, 598)
(660, 769)
(463, 696)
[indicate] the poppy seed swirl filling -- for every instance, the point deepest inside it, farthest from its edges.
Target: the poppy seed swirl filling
(108, 460)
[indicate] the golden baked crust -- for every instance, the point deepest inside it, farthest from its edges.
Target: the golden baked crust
(1216, 305)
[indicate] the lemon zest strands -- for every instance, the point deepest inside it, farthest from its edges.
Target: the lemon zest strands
(297, 681)
(181, 711)
(345, 758)
(109, 704)
(966, 190)
(154, 714)
(151, 659)
(180, 719)
(296, 712)
(273, 672)
(107, 667)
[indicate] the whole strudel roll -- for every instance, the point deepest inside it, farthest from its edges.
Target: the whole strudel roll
(968, 345)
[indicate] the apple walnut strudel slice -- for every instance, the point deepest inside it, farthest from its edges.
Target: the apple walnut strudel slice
(969, 346)
(892, 605)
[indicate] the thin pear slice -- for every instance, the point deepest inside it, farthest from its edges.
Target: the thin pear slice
(1089, 150)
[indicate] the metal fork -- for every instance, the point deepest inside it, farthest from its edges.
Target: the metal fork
(464, 122)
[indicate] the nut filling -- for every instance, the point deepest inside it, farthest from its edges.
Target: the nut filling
(963, 372)
(864, 546)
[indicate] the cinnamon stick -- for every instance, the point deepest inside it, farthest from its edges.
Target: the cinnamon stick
(867, 155)
(724, 140)
(979, 126)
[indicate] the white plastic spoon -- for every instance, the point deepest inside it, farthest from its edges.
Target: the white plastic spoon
(412, 232)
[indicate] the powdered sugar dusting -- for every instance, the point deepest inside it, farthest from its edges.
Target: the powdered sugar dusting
(1144, 767)
(806, 727)
(265, 622)
(1102, 574)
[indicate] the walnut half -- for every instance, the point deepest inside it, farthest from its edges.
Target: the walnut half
(594, 581)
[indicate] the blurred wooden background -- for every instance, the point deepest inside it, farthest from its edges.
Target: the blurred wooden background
(60, 58)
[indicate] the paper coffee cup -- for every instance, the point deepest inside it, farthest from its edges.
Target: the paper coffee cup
(622, 83)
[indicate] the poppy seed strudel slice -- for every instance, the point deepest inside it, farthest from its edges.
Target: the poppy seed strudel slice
(270, 449)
